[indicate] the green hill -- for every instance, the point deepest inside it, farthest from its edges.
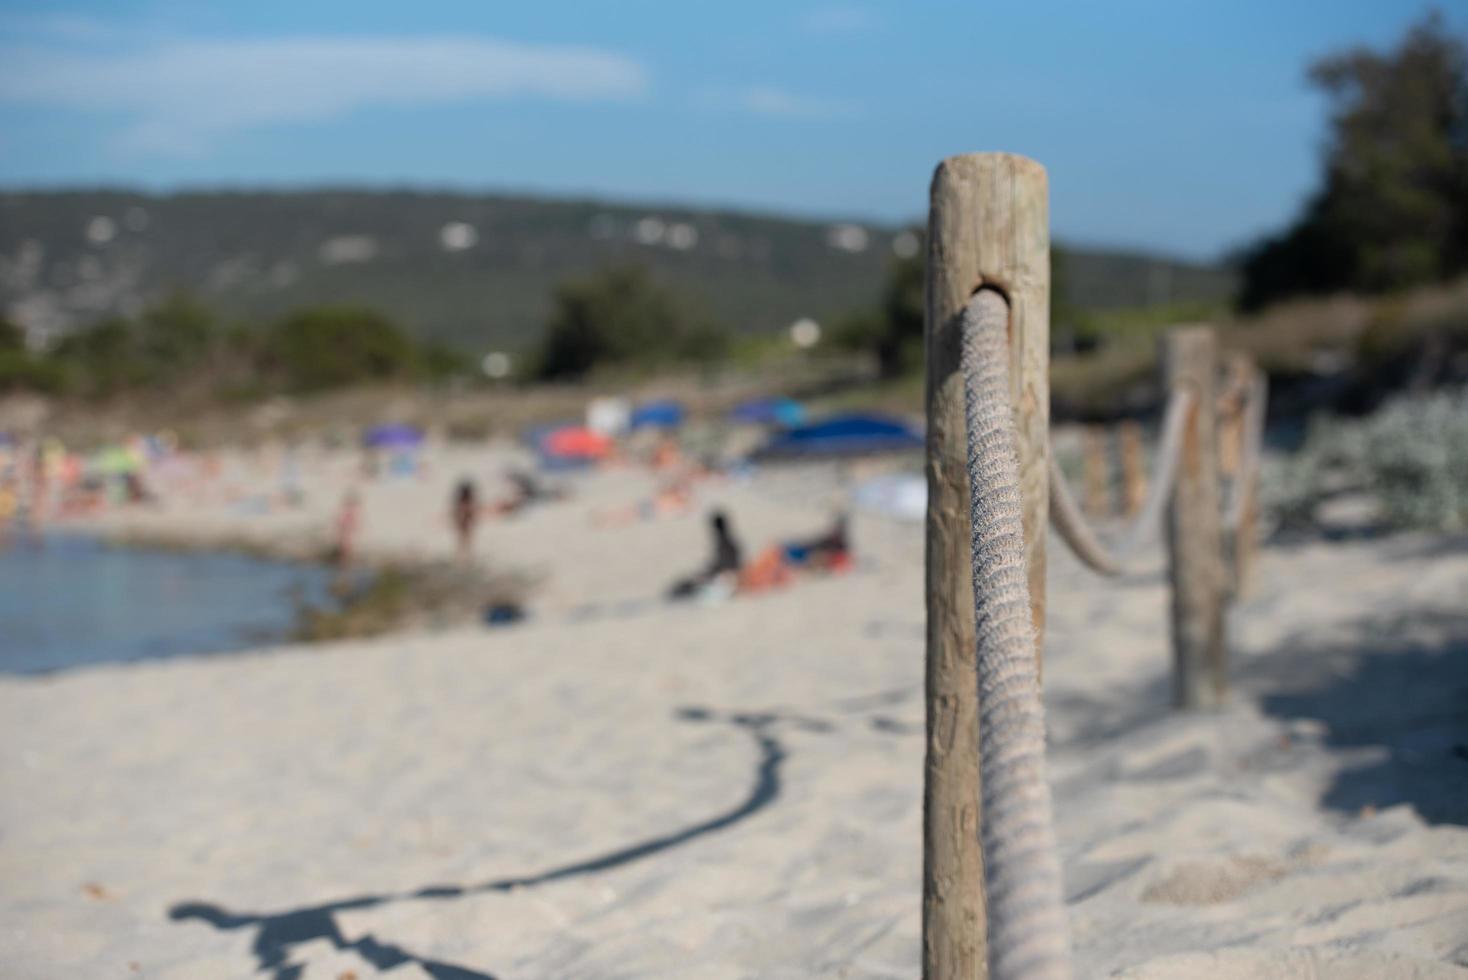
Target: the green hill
(471, 269)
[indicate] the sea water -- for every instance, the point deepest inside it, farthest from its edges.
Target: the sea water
(69, 601)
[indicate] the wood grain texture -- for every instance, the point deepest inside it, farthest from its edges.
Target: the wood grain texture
(1133, 468)
(1245, 377)
(988, 225)
(1195, 527)
(1096, 471)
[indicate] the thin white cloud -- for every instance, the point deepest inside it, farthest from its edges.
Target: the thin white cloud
(838, 19)
(179, 93)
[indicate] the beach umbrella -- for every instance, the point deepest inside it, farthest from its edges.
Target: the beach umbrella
(393, 435)
(785, 412)
(575, 442)
(665, 414)
(843, 435)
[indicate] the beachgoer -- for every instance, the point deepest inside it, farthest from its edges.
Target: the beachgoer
(723, 566)
(465, 516)
(348, 522)
(830, 551)
(9, 506)
(666, 455)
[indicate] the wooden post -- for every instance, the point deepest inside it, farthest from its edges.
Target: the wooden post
(1194, 526)
(1238, 374)
(1133, 468)
(1246, 381)
(988, 225)
(1097, 473)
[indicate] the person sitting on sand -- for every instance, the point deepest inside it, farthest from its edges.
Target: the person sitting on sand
(830, 551)
(776, 565)
(527, 490)
(465, 516)
(723, 566)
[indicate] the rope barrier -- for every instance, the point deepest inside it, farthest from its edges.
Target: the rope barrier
(1082, 538)
(1028, 931)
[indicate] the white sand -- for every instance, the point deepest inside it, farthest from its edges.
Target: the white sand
(1315, 828)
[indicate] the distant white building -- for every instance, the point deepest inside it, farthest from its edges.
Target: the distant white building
(346, 249)
(101, 230)
(456, 236)
(847, 238)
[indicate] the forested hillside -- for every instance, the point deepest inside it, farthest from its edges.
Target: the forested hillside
(473, 270)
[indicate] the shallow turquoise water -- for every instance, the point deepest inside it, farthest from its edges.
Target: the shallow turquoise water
(70, 601)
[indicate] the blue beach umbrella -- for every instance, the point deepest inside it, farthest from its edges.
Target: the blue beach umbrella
(786, 412)
(393, 435)
(843, 435)
(665, 414)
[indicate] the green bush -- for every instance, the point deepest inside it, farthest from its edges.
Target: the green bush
(20, 371)
(1411, 457)
(621, 316)
(329, 347)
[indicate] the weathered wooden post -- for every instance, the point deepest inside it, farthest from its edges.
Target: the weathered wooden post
(1243, 421)
(1096, 471)
(1133, 469)
(1194, 526)
(988, 225)
(1238, 372)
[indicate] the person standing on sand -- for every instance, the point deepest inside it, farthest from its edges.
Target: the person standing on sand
(348, 522)
(465, 517)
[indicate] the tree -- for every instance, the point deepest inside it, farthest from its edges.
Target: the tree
(621, 316)
(173, 337)
(332, 346)
(904, 308)
(893, 331)
(1392, 210)
(20, 370)
(12, 338)
(102, 357)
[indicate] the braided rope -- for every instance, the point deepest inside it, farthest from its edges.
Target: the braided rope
(1077, 532)
(1028, 932)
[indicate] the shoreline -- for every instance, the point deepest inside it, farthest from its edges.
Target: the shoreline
(376, 595)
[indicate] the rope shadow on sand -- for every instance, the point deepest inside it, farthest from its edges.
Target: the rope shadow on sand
(279, 932)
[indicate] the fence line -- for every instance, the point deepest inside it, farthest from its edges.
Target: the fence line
(989, 226)
(987, 392)
(1084, 541)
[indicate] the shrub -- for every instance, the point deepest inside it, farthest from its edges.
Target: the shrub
(329, 347)
(1411, 457)
(621, 316)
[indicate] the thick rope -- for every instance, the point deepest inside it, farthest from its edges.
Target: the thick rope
(1029, 937)
(1076, 531)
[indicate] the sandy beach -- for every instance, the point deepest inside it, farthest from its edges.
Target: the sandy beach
(619, 787)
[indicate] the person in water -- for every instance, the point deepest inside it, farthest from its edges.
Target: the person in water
(465, 517)
(723, 565)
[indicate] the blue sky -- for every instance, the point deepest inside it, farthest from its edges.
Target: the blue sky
(1171, 125)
